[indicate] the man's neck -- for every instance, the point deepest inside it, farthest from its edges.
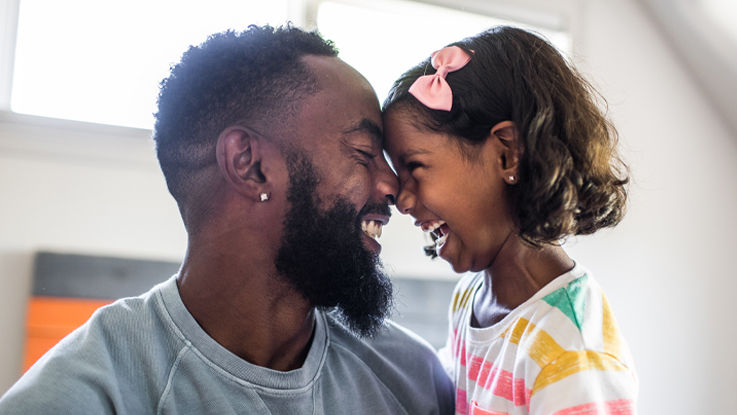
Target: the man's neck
(246, 307)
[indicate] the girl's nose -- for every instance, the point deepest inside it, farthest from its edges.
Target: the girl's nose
(405, 201)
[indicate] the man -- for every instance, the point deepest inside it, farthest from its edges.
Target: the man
(271, 147)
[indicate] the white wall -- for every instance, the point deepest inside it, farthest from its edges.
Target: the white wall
(668, 268)
(96, 190)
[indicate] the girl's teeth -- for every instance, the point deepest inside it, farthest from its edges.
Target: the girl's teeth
(441, 241)
(431, 226)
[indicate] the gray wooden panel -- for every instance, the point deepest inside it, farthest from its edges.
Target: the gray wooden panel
(420, 305)
(85, 276)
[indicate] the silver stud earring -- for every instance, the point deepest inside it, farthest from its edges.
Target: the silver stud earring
(511, 179)
(263, 197)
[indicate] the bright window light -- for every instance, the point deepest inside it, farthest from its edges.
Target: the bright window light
(384, 38)
(102, 61)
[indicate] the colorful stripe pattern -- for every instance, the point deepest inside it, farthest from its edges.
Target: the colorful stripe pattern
(559, 353)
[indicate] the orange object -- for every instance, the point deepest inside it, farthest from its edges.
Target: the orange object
(52, 318)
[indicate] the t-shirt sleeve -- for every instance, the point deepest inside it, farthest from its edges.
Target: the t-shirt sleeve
(584, 382)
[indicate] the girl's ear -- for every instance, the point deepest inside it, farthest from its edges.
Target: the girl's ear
(507, 134)
(239, 155)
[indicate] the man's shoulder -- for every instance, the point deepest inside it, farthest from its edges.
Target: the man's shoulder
(123, 324)
(399, 359)
(394, 352)
(394, 334)
(115, 350)
(129, 314)
(388, 339)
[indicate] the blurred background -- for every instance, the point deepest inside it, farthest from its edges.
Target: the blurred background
(82, 198)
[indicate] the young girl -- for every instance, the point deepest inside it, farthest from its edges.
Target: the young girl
(502, 152)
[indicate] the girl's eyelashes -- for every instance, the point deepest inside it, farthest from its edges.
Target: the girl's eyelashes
(412, 165)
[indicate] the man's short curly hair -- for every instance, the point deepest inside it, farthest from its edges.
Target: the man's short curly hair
(571, 178)
(251, 76)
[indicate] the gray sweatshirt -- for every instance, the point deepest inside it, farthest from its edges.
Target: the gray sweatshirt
(147, 355)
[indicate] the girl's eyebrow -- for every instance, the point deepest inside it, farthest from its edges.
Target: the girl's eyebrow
(410, 153)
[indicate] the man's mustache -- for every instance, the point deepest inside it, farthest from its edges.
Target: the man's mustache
(377, 208)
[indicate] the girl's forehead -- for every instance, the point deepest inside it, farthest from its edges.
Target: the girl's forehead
(403, 127)
(404, 141)
(400, 132)
(403, 122)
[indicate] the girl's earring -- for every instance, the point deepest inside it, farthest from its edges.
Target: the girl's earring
(511, 179)
(263, 197)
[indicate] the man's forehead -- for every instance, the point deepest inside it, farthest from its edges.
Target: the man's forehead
(344, 104)
(367, 127)
(325, 68)
(334, 75)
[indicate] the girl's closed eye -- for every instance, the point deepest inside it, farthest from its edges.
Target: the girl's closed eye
(411, 166)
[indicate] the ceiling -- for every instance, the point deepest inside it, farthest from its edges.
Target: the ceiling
(704, 35)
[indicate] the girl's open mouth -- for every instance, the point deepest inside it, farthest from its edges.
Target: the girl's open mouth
(438, 232)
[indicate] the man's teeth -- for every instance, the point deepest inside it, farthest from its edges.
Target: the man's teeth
(371, 228)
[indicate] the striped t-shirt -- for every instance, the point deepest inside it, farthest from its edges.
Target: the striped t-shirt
(560, 352)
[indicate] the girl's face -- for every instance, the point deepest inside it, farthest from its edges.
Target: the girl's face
(462, 201)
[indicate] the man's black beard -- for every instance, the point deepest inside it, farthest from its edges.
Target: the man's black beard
(322, 254)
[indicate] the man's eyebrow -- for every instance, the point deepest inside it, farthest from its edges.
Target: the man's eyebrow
(366, 125)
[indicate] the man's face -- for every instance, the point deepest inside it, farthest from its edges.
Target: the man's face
(340, 185)
(340, 129)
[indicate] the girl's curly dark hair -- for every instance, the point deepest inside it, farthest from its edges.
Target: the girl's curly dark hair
(571, 178)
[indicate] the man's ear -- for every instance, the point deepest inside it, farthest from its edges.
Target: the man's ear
(507, 134)
(239, 155)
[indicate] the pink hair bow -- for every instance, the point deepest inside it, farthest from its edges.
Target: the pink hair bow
(433, 90)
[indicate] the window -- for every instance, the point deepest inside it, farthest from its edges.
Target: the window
(383, 38)
(102, 61)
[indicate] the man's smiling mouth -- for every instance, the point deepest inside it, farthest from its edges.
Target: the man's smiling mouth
(373, 218)
(372, 228)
